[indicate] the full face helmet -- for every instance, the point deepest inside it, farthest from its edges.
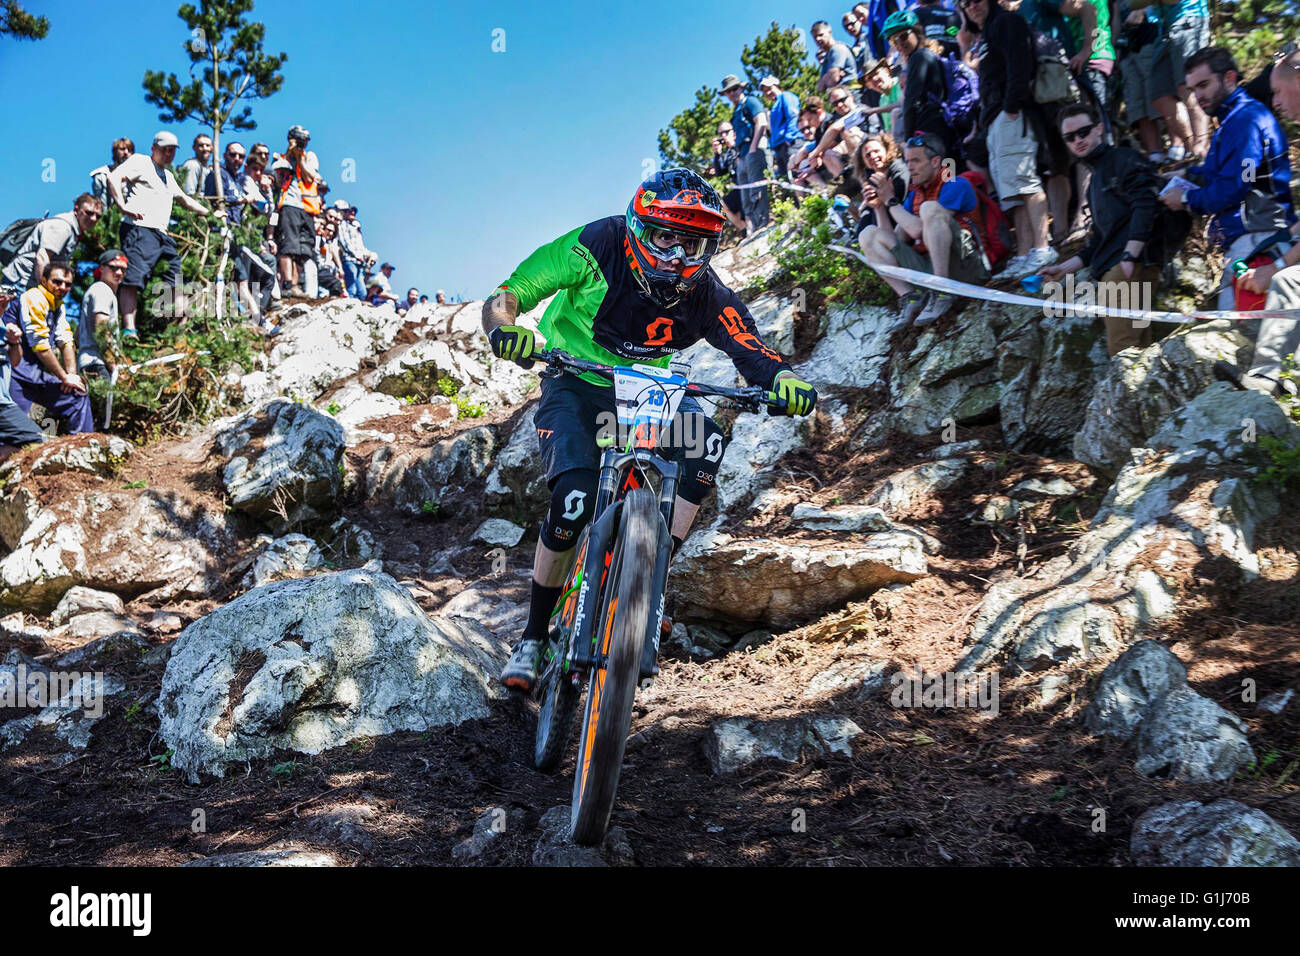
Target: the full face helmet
(674, 216)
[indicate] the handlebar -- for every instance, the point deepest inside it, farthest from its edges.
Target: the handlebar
(752, 398)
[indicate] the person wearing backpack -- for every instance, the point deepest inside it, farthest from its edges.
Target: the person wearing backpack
(932, 229)
(52, 239)
(926, 90)
(1122, 252)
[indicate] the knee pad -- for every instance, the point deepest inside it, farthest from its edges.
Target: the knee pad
(573, 498)
(700, 458)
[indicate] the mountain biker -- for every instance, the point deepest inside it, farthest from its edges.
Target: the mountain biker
(633, 288)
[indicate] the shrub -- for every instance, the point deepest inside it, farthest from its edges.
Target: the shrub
(806, 262)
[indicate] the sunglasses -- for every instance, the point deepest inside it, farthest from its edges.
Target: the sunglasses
(1079, 133)
(60, 283)
(842, 99)
(121, 269)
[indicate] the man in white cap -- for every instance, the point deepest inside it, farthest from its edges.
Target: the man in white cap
(352, 248)
(144, 189)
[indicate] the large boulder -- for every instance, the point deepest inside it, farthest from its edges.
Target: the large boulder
(1187, 737)
(284, 464)
(320, 344)
(20, 499)
(1141, 389)
(736, 742)
(756, 442)
(417, 481)
(854, 349)
(1048, 372)
(902, 490)
(1190, 497)
(516, 485)
(313, 663)
(1134, 680)
(478, 378)
(784, 584)
(164, 544)
(1222, 833)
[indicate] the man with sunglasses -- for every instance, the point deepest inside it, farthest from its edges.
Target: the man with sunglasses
(1119, 251)
(932, 229)
(46, 373)
(630, 288)
(99, 313)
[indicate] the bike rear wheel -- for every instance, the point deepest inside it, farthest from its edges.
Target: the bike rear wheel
(625, 613)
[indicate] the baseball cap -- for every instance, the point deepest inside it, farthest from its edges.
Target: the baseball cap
(388, 265)
(113, 257)
(729, 81)
(342, 205)
(164, 138)
(768, 80)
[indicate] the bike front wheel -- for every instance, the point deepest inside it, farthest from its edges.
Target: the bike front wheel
(626, 604)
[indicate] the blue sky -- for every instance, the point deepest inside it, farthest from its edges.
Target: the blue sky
(465, 160)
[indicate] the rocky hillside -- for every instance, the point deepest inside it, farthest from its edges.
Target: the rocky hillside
(1002, 601)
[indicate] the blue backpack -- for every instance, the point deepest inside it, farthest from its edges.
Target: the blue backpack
(963, 95)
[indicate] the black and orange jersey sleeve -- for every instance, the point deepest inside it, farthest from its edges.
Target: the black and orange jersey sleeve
(731, 328)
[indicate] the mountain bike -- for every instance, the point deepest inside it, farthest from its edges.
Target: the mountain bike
(607, 621)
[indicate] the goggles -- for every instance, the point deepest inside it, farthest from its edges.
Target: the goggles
(669, 244)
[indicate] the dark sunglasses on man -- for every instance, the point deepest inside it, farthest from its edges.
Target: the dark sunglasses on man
(1079, 133)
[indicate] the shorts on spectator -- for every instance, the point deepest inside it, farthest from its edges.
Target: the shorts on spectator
(1147, 77)
(732, 201)
(144, 247)
(295, 232)
(966, 261)
(1013, 159)
(1185, 37)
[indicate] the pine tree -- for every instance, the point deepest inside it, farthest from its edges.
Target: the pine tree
(689, 137)
(782, 54)
(228, 49)
(1254, 30)
(17, 22)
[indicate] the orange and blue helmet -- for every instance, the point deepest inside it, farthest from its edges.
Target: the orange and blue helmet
(674, 215)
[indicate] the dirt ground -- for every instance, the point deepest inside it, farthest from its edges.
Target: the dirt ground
(924, 786)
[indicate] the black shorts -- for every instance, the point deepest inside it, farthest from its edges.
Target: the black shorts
(732, 201)
(144, 247)
(295, 232)
(571, 413)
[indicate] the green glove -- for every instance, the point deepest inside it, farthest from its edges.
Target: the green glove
(513, 342)
(799, 397)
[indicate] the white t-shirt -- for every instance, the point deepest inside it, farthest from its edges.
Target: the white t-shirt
(149, 190)
(99, 298)
(58, 234)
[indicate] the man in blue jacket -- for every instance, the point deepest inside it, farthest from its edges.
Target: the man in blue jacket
(783, 116)
(1245, 181)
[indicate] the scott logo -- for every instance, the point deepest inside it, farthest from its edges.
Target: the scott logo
(573, 504)
(659, 332)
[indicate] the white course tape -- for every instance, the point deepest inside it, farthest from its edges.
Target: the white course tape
(775, 182)
(968, 291)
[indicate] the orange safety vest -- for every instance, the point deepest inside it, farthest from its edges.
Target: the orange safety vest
(311, 200)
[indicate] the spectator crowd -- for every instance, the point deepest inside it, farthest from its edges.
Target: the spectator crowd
(304, 248)
(1033, 140)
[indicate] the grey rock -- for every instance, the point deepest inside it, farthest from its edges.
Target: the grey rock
(348, 824)
(1135, 679)
(1222, 833)
(841, 518)
(487, 829)
(736, 742)
(784, 584)
(905, 488)
(1031, 489)
(79, 600)
(313, 663)
(283, 557)
(1190, 738)
(498, 532)
(516, 485)
(295, 477)
(415, 481)
(1142, 388)
(863, 678)
(1276, 703)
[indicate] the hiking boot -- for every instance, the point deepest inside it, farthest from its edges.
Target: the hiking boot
(910, 305)
(939, 305)
(520, 672)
